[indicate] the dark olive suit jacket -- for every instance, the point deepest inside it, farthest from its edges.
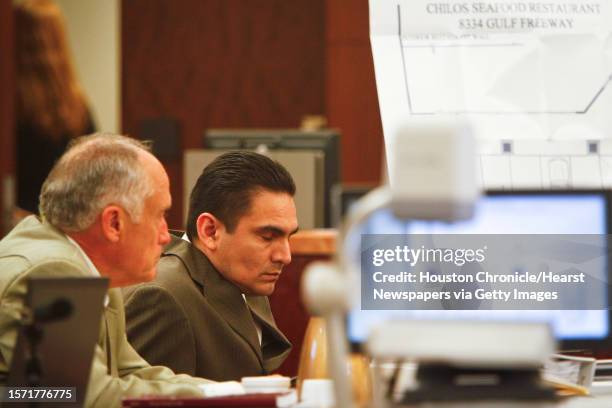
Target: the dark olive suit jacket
(194, 321)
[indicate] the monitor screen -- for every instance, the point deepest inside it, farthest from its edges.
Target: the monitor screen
(526, 212)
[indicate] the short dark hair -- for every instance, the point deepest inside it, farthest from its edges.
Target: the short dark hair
(225, 187)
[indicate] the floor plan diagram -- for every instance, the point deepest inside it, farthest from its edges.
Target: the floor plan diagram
(533, 80)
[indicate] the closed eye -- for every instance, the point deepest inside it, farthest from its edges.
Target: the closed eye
(268, 237)
(269, 233)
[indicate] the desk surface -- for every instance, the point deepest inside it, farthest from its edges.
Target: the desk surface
(575, 402)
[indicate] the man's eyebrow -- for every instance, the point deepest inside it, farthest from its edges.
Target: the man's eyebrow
(275, 230)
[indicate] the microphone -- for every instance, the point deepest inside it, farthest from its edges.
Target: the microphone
(59, 309)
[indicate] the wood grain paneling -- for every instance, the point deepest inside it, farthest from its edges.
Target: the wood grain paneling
(347, 21)
(351, 99)
(220, 63)
(7, 117)
(352, 106)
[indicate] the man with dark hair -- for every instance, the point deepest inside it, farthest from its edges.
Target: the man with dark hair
(207, 312)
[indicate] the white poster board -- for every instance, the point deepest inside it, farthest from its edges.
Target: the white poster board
(532, 77)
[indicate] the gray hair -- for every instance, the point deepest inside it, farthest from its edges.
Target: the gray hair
(96, 170)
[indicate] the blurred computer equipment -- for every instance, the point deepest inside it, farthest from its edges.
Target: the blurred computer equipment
(510, 212)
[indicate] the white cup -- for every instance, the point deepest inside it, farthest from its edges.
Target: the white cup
(318, 392)
(266, 384)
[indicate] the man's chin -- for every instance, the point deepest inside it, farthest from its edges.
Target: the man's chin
(265, 290)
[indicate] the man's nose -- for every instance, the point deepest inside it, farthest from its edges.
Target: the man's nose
(282, 253)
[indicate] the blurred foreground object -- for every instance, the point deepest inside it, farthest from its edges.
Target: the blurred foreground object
(433, 178)
(314, 357)
(485, 361)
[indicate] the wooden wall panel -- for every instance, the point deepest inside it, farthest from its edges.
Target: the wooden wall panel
(7, 117)
(351, 99)
(347, 21)
(220, 63)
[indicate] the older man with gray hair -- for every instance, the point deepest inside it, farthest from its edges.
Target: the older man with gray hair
(103, 213)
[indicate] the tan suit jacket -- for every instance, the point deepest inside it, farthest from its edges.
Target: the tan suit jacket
(37, 249)
(194, 321)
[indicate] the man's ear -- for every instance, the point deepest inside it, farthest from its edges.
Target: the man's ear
(112, 224)
(208, 230)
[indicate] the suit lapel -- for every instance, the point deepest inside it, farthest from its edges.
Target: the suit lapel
(260, 306)
(221, 294)
(275, 346)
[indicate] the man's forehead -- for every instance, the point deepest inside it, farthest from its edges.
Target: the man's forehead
(153, 167)
(158, 178)
(276, 229)
(271, 209)
(160, 199)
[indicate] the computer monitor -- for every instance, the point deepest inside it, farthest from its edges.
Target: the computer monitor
(510, 212)
(69, 333)
(343, 196)
(326, 141)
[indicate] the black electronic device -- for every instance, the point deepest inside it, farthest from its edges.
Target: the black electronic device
(56, 343)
